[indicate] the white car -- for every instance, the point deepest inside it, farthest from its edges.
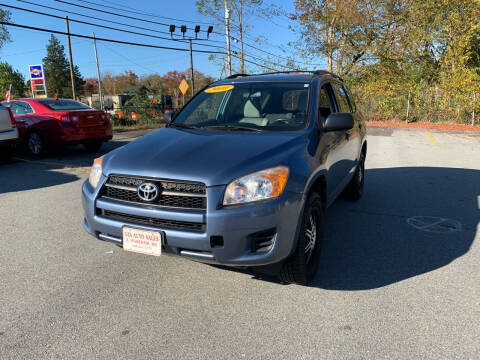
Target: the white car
(8, 133)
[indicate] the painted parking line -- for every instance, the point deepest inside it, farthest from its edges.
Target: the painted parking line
(55, 164)
(430, 137)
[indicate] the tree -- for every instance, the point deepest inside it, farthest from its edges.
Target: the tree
(153, 83)
(78, 80)
(90, 87)
(57, 70)
(4, 35)
(241, 10)
(9, 76)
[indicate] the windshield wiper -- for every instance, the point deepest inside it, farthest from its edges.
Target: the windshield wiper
(230, 127)
(180, 125)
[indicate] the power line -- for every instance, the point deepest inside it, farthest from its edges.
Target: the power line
(126, 58)
(128, 31)
(114, 14)
(125, 42)
(133, 10)
(101, 26)
(105, 39)
(165, 24)
(93, 17)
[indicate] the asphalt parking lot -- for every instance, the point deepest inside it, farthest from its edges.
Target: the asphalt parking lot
(399, 275)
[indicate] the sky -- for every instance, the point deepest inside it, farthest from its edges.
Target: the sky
(27, 47)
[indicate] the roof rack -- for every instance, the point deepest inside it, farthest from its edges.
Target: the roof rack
(234, 76)
(313, 72)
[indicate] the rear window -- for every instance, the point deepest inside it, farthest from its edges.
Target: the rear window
(63, 104)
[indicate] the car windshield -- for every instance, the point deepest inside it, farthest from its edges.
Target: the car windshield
(255, 105)
(63, 104)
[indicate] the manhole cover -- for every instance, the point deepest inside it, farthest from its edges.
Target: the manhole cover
(434, 224)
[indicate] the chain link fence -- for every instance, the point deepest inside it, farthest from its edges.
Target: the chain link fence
(421, 105)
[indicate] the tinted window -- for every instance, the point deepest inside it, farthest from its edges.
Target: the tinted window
(259, 105)
(324, 108)
(342, 99)
(63, 104)
(350, 99)
(21, 108)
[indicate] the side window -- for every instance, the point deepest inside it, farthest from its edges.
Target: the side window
(325, 106)
(23, 108)
(13, 105)
(350, 99)
(342, 99)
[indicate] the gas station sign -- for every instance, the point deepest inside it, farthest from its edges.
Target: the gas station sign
(37, 80)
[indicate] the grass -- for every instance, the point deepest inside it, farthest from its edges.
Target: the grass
(122, 128)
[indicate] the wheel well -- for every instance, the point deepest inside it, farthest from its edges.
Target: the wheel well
(320, 187)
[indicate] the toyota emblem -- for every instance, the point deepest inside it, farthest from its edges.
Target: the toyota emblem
(147, 191)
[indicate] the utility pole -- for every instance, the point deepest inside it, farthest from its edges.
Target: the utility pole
(100, 95)
(473, 111)
(240, 27)
(227, 34)
(191, 67)
(408, 106)
(70, 56)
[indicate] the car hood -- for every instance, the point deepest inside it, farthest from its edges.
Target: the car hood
(208, 156)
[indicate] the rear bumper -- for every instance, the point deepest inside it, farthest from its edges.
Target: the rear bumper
(235, 225)
(77, 135)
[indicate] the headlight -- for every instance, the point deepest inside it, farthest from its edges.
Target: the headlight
(95, 172)
(262, 185)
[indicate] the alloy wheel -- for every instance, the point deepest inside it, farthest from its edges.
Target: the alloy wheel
(310, 237)
(35, 143)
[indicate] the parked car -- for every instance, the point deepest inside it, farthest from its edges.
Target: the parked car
(241, 176)
(46, 122)
(8, 133)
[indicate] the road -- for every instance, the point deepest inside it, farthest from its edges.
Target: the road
(393, 282)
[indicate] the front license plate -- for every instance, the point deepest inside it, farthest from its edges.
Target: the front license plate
(142, 241)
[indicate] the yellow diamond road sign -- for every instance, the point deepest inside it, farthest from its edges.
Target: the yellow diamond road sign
(183, 86)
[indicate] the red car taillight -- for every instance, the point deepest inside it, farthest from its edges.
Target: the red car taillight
(12, 118)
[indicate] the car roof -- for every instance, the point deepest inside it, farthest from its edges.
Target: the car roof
(38, 99)
(280, 76)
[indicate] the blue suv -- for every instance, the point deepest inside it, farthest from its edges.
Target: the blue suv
(241, 176)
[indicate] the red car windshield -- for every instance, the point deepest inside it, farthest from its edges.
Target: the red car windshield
(63, 104)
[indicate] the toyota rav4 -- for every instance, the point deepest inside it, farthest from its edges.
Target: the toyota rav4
(241, 176)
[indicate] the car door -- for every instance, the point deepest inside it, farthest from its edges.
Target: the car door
(351, 149)
(22, 111)
(332, 144)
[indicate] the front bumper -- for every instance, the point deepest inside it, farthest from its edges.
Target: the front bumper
(234, 224)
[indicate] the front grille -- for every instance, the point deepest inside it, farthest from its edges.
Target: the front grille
(173, 194)
(162, 223)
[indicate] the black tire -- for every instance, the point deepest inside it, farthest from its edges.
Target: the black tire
(93, 145)
(35, 144)
(5, 155)
(354, 189)
(301, 266)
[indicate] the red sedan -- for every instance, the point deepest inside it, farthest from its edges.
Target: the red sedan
(45, 122)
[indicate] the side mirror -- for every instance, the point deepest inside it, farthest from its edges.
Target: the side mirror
(338, 121)
(168, 116)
